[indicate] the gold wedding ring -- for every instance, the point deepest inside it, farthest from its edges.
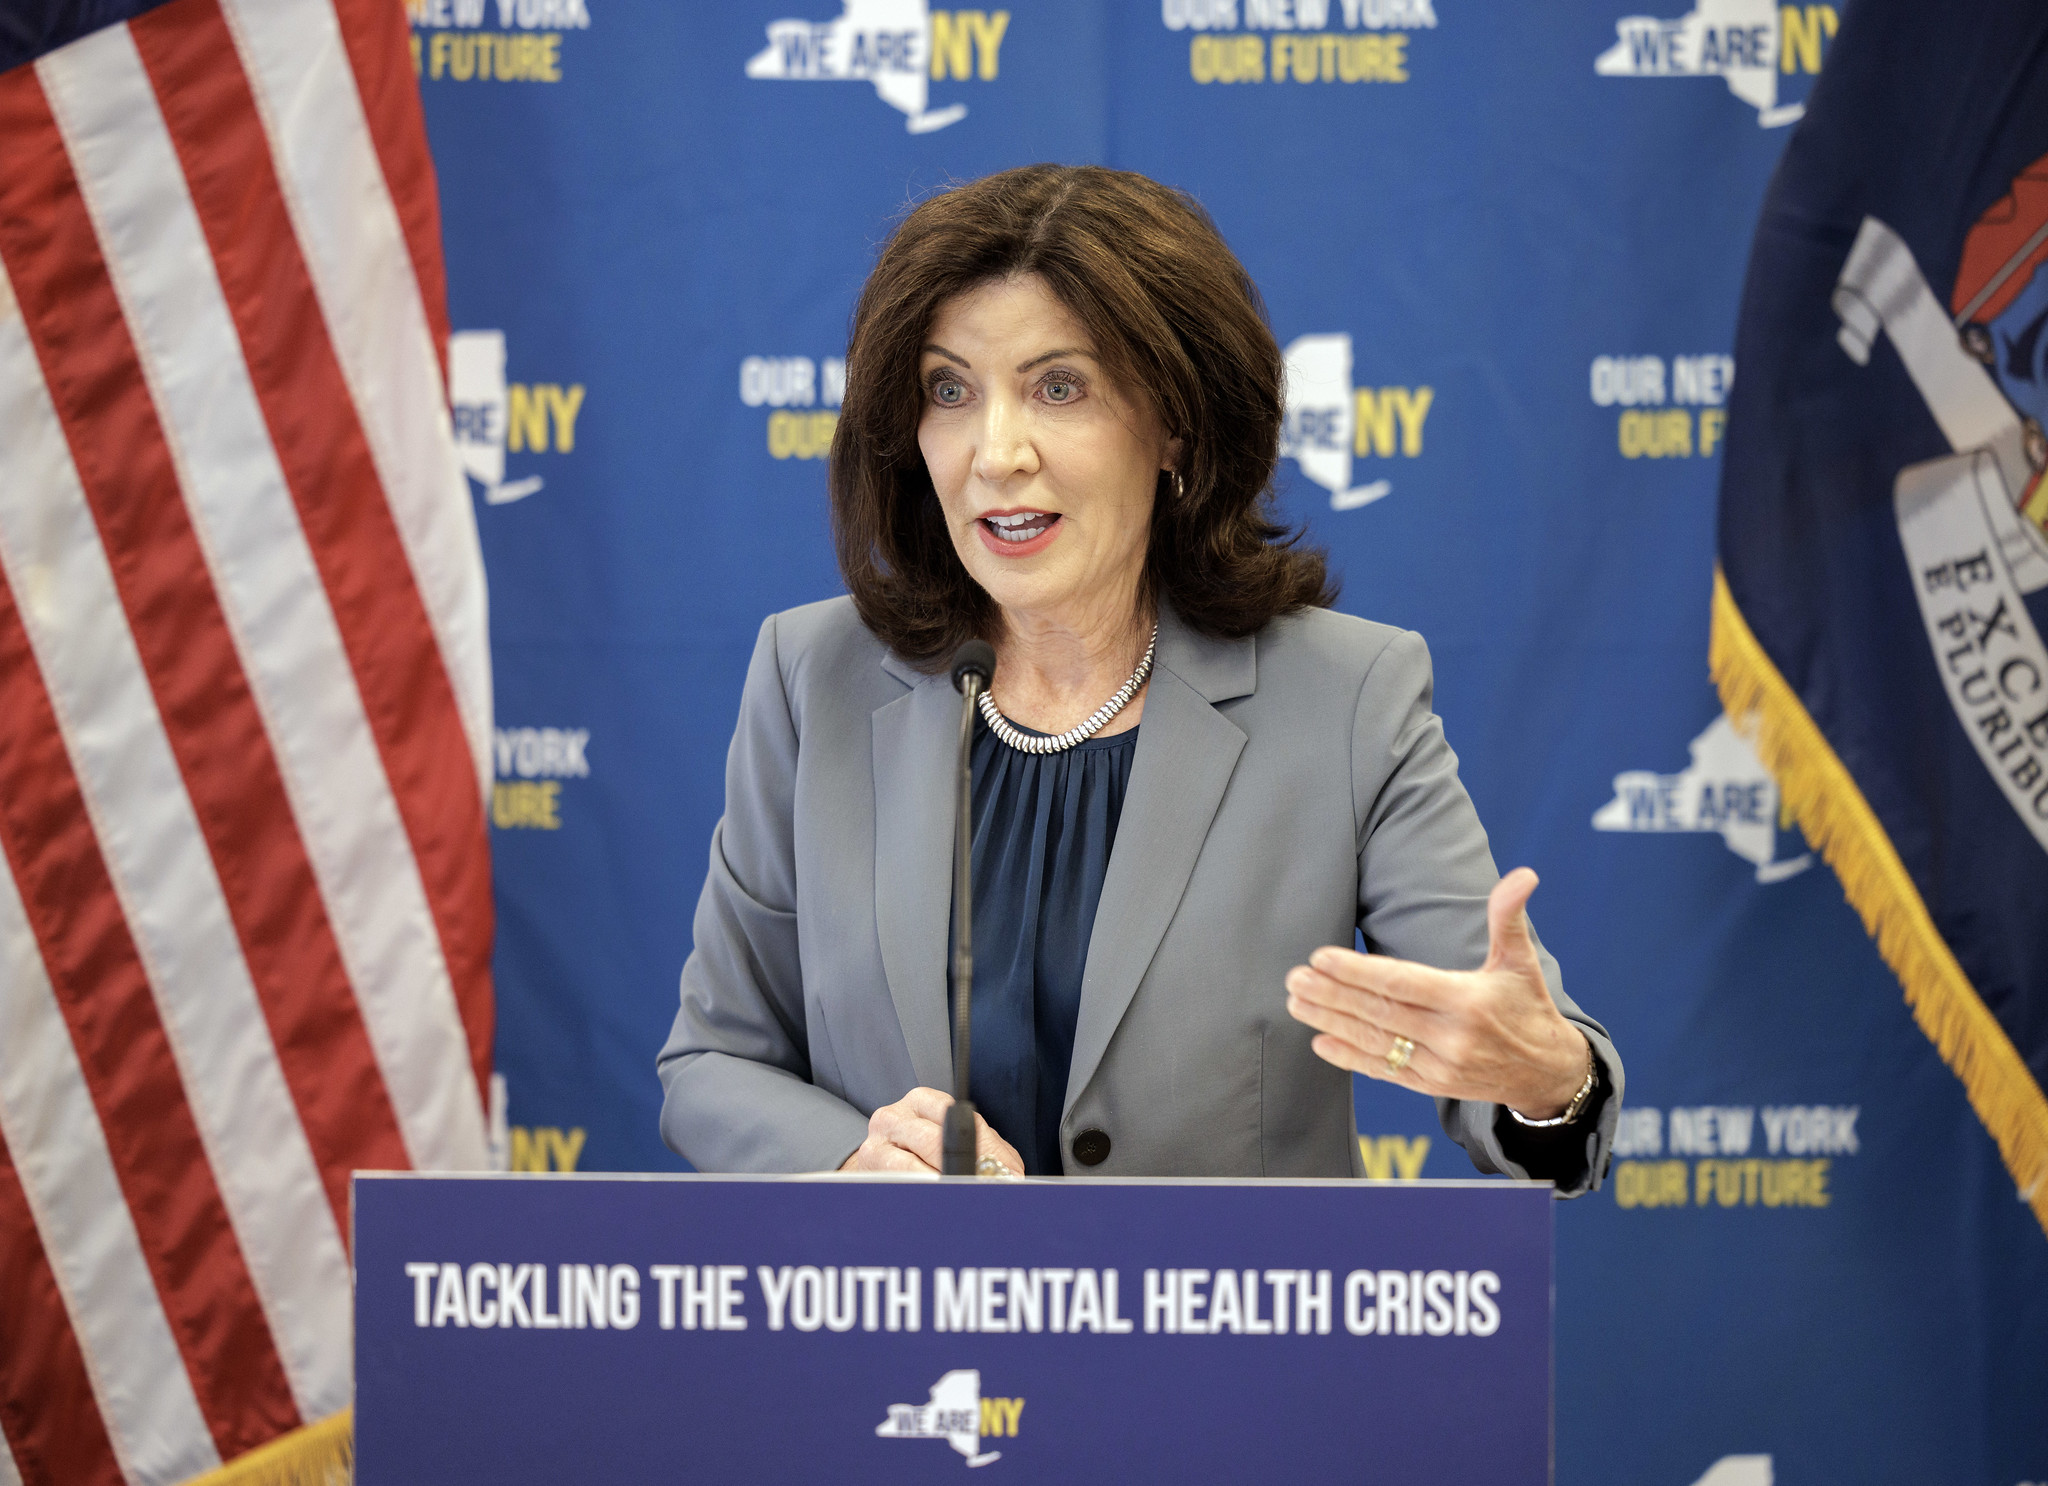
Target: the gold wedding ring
(1399, 1054)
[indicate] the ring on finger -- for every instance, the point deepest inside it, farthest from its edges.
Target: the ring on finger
(1399, 1054)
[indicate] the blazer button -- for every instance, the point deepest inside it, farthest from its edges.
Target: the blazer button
(1091, 1147)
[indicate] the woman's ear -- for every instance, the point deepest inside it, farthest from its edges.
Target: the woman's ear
(1169, 457)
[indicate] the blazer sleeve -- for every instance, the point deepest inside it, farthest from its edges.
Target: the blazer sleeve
(736, 1073)
(1424, 873)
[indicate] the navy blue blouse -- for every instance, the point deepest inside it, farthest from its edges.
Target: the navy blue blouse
(1044, 825)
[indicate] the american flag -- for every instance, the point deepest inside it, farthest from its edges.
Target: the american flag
(245, 911)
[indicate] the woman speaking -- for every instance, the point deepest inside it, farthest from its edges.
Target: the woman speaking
(1193, 783)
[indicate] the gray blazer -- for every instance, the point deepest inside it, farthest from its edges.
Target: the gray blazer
(1287, 789)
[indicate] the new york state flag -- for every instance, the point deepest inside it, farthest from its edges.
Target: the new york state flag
(1883, 588)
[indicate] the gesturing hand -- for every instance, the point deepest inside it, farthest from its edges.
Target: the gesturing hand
(1491, 1034)
(910, 1135)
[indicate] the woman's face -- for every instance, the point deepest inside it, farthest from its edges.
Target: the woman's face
(1045, 470)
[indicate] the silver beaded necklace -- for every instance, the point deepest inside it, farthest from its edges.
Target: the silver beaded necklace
(1024, 742)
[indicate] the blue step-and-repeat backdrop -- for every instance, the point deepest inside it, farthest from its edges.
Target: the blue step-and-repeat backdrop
(1502, 246)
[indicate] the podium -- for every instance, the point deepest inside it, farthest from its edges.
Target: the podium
(767, 1329)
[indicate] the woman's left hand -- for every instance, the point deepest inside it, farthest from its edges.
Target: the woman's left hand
(1492, 1035)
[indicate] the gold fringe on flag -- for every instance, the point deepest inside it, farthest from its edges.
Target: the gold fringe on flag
(318, 1454)
(1820, 795)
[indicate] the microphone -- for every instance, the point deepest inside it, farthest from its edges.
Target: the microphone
(977, 658)
(974, 668)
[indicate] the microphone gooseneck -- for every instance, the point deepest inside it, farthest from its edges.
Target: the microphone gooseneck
(973, 669)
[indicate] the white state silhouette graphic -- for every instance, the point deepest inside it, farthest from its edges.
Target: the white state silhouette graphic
(1727, 789)
(476, 389)
(1738, 1470)
(1717, 39)
(952, 1415)
(884, 42)
(1321, 418)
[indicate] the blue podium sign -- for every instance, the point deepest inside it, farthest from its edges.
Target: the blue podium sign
(685, 1328)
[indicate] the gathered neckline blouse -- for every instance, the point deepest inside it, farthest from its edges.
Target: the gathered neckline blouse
(1044, 827)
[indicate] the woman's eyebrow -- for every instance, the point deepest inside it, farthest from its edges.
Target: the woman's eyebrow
(1055, 355)
(964, 363)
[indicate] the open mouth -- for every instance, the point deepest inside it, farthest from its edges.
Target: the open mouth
(1019, 533)
(1020, 526)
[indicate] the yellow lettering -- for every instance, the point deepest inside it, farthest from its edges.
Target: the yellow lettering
(530, 409)
(1632, 433)
(528, 1154)
(1746, 1183)
(1408, 1155)
(1315, 58)
(1318, 58)
(1727, 1181)
(1676, 432)
(526, 421)
(1628, 1186)
(563, 408)
(1649, 1184)
(801, 435)
(952, 42)
(414, 41)
(1803, 29)
(1663, 434)
(515, 57)
(1373, 426)
(527, 805)
(1391, 1157)
(1227, 59)
(988, 39)
(1713, 422)
(1411, 408)
(999, 1415)
(1372, 59)
(567, 1147)
(546, 1148)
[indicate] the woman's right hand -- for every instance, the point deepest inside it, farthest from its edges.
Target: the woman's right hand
(910, 1135)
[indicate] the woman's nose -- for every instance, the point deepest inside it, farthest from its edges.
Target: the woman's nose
(1005, 447)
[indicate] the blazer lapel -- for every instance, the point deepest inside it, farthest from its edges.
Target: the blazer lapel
(1187, 751)
(915, 742)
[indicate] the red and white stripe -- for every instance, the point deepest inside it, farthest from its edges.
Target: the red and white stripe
(245, 915)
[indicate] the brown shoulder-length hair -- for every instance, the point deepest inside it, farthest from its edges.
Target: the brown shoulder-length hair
(1173, 316)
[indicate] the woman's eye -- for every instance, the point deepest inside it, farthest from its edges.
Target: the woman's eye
(948, 393)
(1061, 390)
